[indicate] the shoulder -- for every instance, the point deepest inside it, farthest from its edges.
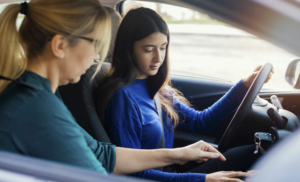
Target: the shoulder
(31, 105)
(123, 94)
(122, 102)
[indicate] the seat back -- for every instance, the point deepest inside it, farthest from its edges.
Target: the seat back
(80, 98)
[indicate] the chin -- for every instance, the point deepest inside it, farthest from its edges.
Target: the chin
(76, 80)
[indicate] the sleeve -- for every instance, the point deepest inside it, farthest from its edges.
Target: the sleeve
(206, 120)
(124, 129)
(104, 152)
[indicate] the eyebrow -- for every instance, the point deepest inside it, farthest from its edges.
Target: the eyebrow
(148, 45)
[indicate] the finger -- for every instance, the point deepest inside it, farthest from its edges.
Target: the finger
(251, 172)
(258, 68)
(212, 149)
(231, 180)
(232, 174)
(272, 70)
(205, 159)
(268, 78)
(212, 155)
(199, 161)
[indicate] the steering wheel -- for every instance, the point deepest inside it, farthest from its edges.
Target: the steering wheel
(239, 116)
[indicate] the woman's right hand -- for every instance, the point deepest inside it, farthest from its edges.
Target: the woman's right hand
(198, 152)
(225, 176)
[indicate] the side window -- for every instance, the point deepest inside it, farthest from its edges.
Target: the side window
(206, 48)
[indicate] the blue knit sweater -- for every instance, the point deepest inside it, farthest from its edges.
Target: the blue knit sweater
(133, 122)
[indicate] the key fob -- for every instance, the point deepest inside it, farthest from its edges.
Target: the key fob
(263, 141)
(264, 137)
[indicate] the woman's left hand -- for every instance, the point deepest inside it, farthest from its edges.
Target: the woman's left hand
(248, 80)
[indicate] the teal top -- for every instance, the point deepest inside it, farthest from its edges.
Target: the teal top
(35, 122)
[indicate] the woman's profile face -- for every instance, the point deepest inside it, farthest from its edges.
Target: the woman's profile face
(149, 54)
(79, 58)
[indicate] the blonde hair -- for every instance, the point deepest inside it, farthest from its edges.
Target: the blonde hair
(43, 20)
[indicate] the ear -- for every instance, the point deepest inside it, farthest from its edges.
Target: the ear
(58, 46)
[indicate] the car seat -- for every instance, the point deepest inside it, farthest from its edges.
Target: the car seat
(80, 98)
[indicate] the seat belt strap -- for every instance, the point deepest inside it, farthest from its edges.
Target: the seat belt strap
(162, 139)
(159, 112)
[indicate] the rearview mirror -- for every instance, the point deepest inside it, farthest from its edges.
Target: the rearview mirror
(292, 75)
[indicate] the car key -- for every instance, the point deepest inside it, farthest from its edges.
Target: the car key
(260, 137)
(256, 137)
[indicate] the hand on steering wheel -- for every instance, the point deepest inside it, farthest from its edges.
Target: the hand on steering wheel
(249, 80)
(237, 120)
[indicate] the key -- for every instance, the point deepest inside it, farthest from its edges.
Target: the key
(257, 147)
(257, 143)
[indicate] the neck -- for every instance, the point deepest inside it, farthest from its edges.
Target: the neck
(46, 69)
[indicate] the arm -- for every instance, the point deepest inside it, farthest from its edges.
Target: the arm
(131, 160)
(124, 129)
(204, 121)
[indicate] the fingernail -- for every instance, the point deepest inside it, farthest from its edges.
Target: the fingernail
(217, 155)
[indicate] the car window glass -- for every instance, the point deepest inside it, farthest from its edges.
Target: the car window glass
(206, 48)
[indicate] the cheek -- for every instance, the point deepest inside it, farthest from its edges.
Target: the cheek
(142, 59)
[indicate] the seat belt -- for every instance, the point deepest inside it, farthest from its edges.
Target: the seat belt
(158, 108)
(162, 139)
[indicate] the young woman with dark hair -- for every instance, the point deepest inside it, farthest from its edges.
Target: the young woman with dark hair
(139, 72)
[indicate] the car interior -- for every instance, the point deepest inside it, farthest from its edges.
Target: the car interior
(236, 130)
(271, 111)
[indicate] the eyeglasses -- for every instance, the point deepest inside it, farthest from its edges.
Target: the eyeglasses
(96, 43)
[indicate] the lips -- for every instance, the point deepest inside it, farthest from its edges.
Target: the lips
(154, 67)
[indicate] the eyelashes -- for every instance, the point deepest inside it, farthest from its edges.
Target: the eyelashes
(152, 50)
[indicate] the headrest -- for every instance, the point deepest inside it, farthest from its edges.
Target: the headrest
(115, 22)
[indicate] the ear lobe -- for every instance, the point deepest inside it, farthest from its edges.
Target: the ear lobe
(58, 46)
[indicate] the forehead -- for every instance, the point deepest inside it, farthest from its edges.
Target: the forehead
(156, 39)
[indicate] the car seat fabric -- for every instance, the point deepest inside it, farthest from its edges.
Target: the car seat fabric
(80, 98)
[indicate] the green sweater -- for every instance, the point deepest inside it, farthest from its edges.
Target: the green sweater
(35, 122)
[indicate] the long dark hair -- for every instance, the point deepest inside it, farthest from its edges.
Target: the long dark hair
(136, 25)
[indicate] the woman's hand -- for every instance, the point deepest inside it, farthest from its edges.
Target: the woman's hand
(225, 176)
(248, 80)
(198, 152)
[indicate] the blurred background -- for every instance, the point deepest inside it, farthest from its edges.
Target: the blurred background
(206, 48)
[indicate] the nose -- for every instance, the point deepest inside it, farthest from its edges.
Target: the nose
(159, 55)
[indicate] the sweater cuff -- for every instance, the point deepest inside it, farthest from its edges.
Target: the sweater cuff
(242, 86)
(196, 177)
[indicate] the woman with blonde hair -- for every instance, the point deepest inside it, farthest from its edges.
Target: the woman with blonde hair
(56, 43)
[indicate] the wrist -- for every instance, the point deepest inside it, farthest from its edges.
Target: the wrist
(175, 155)
(245, 82)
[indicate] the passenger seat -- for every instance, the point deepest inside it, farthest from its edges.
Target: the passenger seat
(80, 98)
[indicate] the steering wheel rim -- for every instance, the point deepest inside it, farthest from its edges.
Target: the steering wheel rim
(240, 114)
